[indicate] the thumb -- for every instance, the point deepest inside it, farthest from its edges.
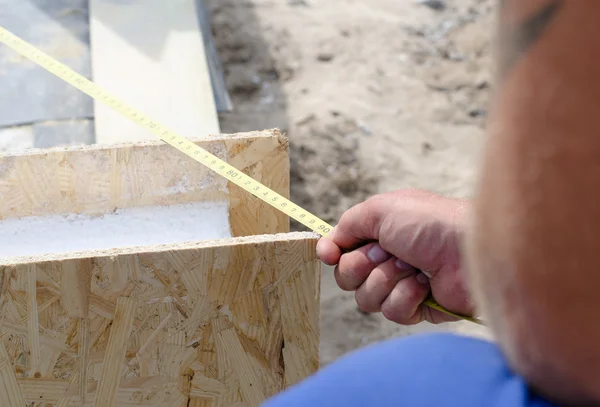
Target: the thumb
(361, 223)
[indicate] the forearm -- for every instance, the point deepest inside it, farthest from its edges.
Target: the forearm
(535, 238)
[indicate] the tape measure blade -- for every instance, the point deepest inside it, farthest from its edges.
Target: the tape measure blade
(170, 137)
(181, 143)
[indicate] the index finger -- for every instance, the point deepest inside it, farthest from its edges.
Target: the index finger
(328, 252)
(360, 224)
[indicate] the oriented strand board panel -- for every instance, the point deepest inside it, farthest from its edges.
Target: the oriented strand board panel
(95, 180)
(214, 324)
(150, 53)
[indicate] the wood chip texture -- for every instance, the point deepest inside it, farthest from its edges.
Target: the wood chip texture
(200, 324)
(98, 179)
(246, 327)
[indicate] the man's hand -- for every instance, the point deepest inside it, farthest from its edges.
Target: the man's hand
(396, 248)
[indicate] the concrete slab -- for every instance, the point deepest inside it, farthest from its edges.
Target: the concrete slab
(29, 94)
(16, 139)
(65, 133)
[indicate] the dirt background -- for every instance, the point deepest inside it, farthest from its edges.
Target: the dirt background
(374, 96)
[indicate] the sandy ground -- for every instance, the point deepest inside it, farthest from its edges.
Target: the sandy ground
(374, 96)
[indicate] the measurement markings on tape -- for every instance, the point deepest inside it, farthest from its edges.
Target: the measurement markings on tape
(170, 137)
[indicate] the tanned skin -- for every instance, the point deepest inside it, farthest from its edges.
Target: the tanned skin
(534, 244)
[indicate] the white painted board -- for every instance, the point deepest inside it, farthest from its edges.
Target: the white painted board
(150, 54)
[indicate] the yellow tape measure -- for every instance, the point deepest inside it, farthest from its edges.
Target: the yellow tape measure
(170, 137)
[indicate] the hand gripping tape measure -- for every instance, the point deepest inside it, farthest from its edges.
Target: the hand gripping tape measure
(181, 143)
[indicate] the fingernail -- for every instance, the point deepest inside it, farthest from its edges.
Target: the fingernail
(422, 278)
(402, 265)
(377, 255)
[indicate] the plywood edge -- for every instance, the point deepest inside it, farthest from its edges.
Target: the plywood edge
(229, 323)
(227, 242)
(99, 179)
(241, 136)
(268, 163)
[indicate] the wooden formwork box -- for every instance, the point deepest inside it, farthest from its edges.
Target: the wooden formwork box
(203, 324)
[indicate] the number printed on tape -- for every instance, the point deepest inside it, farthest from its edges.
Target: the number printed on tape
(169, 136)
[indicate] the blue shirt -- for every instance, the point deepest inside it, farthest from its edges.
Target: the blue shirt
(428, 370)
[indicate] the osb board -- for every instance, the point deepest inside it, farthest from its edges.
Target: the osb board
(99, 179)
(225, 323)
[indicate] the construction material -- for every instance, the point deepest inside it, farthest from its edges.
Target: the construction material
(245, 181)
(96, 180)
(210, 323)
(60, 28)
(222, 98)
(161, 44)
(29, 113)
(248, 182)
(38, 235)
